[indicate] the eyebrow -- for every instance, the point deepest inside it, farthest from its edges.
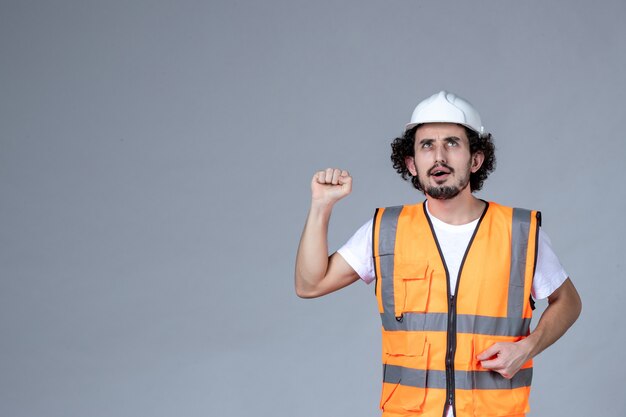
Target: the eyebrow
(429, 140)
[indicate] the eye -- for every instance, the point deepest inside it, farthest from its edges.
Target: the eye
(426, 145)
(452, 143)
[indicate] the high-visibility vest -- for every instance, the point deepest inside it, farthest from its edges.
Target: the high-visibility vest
(430, 338)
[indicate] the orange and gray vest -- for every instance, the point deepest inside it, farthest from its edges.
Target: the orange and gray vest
(430, 337)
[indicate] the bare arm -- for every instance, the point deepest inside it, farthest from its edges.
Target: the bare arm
(316, 273)
(563, 310)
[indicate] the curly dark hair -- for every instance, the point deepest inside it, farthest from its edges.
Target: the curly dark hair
(404, 146)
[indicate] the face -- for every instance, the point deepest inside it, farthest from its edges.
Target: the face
(443, 162)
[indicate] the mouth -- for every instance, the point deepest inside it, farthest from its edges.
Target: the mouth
(440, 171)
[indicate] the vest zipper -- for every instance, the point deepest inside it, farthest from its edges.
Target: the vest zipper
(450, 352)
(451, 330)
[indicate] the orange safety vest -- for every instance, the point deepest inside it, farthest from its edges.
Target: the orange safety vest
(430, 338)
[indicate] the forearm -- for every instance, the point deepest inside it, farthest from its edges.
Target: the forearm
(312, 256)
(562, 311)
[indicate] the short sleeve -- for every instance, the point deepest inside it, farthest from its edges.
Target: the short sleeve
(357, 252)
(549, 274)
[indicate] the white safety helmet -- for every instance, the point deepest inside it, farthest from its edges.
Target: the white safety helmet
(445, 107)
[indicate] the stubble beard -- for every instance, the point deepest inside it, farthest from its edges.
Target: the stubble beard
(445, 192)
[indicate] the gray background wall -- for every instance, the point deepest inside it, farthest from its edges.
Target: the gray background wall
(155, 160)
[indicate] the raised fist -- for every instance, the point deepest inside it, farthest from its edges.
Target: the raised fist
(330, 185)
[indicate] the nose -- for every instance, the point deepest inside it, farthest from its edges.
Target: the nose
(440, 154)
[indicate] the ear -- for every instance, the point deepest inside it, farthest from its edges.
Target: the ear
(409, 161)
(477, 161)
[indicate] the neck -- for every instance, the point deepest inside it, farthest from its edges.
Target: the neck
(462, 209)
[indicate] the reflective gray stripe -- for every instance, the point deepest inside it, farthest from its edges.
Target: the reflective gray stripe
(386, 249)
(388, 227)
(420, 378)
(416, 322)
(464, 380)
(519, 248)
(492, 380)
(497, 326)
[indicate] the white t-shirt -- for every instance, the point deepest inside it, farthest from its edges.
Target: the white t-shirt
(453, 240)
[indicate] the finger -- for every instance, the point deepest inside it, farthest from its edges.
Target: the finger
(328, 178)
(499, 369)
(345, 179)
(344, 176)
(505, 374)
(319, 177)
(336, 174)
(493, 364)
(491, 351)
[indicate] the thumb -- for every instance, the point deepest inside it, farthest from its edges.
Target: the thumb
(489, 352)
(344, 178)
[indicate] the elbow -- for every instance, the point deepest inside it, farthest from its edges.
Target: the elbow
(578, 306)
(576, 302)
(304, 291)
(568, 298)
(306, 294)
(299, 290)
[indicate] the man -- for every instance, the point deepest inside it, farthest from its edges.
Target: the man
(455, 276)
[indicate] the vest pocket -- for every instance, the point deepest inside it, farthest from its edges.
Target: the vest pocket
(501, 402)
(493, 395)
(413, 285)
(405, 359)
